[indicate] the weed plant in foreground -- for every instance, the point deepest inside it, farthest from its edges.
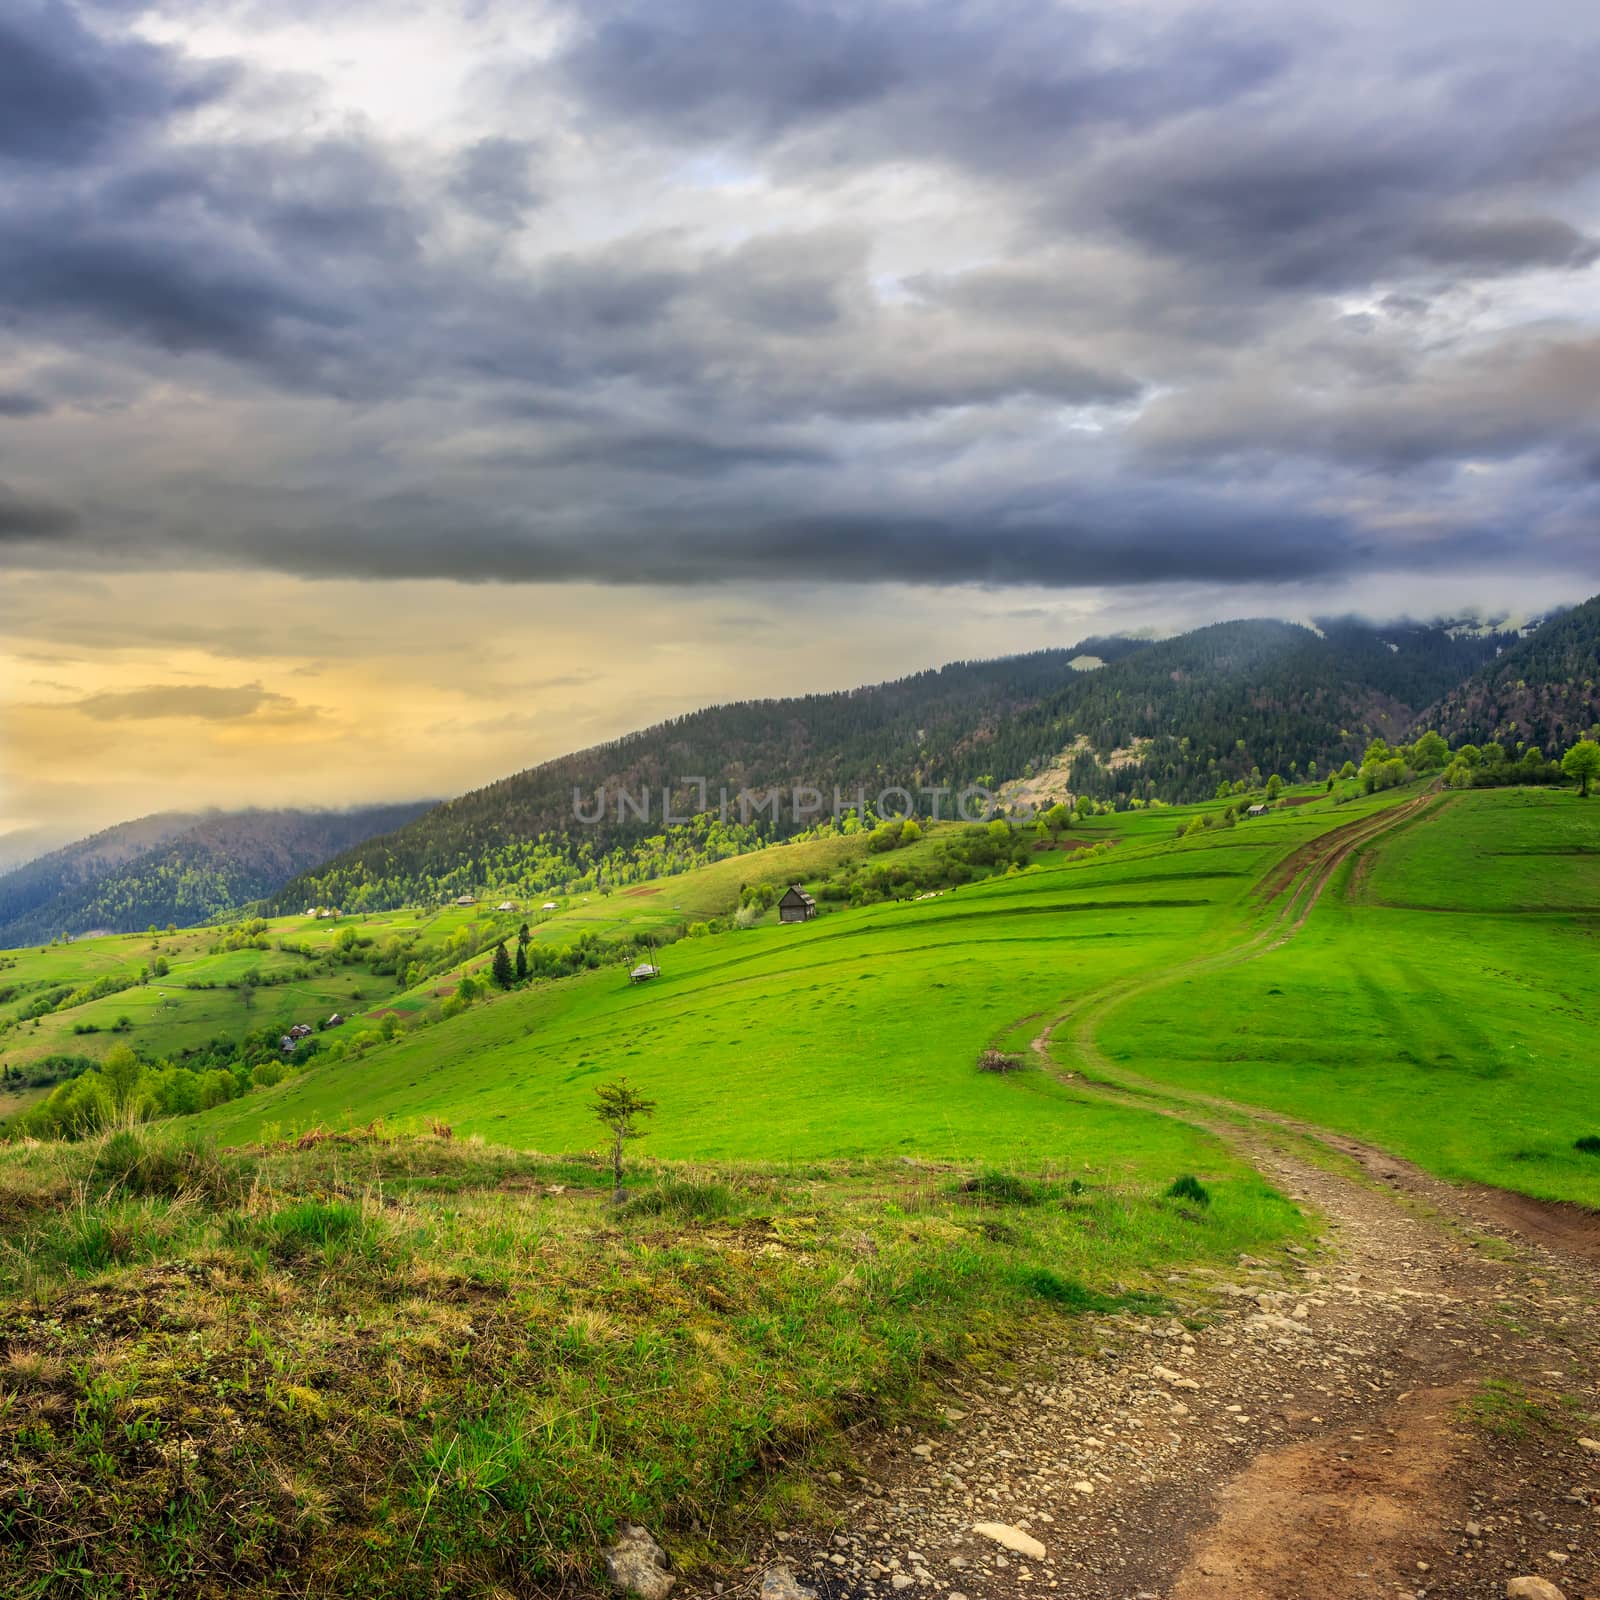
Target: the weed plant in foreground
(407, 1367)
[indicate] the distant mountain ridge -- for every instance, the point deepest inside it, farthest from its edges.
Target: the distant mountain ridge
(1543, 689)
(1158, 719)
(181, 867)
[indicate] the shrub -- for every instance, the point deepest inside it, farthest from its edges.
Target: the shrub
(307, 1227)
(1006, 1189)
(999, 1061)
(688, 1199)
(138, 1166)
(1189, 1188)
(1589, 1144)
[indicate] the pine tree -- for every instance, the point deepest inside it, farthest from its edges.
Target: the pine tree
(522, 963)
(501, 969)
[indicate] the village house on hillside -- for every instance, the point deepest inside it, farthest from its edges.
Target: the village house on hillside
(796, 905)
(506, 905)
(644, 972)
(1256, 811)
(464, 900)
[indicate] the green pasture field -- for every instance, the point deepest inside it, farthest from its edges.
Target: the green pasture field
(855, 1034)
(1439, 1002)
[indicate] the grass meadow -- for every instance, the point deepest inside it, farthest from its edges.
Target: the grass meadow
(1440, 1001)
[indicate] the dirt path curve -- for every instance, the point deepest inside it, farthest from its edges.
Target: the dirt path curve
(1409, 1410)
(1396, 1413)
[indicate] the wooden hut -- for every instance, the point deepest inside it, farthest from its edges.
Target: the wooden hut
(796, 905)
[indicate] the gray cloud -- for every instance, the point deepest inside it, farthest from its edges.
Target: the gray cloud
(992, 89)
(25, 517)
(937, 293)
(67, 90)
(19, 403)
(494, 178)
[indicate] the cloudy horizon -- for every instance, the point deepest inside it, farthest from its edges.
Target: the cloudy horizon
(394, 398)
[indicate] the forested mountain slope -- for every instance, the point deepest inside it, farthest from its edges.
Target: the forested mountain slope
(1163, 719)
(1543, 690)
(177, 867)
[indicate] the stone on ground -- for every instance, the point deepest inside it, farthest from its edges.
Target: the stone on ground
(1532, 1589)
(1012, 1538)
(637, 1565)
(779, 1583)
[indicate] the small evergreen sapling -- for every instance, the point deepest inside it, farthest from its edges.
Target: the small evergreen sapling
(619, 1106)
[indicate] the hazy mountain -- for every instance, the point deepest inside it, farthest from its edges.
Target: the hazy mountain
(1542, 689)
(1165, 718)
(181, 867)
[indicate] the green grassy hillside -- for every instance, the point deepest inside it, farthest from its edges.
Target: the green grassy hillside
(393, 1350)
(857, 1033)
(1440, 1001)
(300, 974)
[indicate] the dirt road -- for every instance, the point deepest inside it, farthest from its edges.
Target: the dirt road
(1410, 1410)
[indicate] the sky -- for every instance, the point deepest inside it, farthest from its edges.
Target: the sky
(394, 396)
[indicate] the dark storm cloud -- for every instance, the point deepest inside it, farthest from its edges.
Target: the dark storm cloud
(1504, 244)
(928, 292)
(1508, 397)
(990, 87)
(494, 178)
(66, 90)
(152, 287)
(673, 452)
(1060, 537)
(1442, 170)
(19, 403)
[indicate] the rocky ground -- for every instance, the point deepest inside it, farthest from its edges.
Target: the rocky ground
(1406, 1411)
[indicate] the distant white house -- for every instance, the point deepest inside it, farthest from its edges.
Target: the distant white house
(1256, 811)
(464, 900)
(506, 905)
(549, 905)
(644, 972)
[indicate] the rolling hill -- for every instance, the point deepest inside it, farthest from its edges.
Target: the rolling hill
(1165, 719)
(176, 867)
